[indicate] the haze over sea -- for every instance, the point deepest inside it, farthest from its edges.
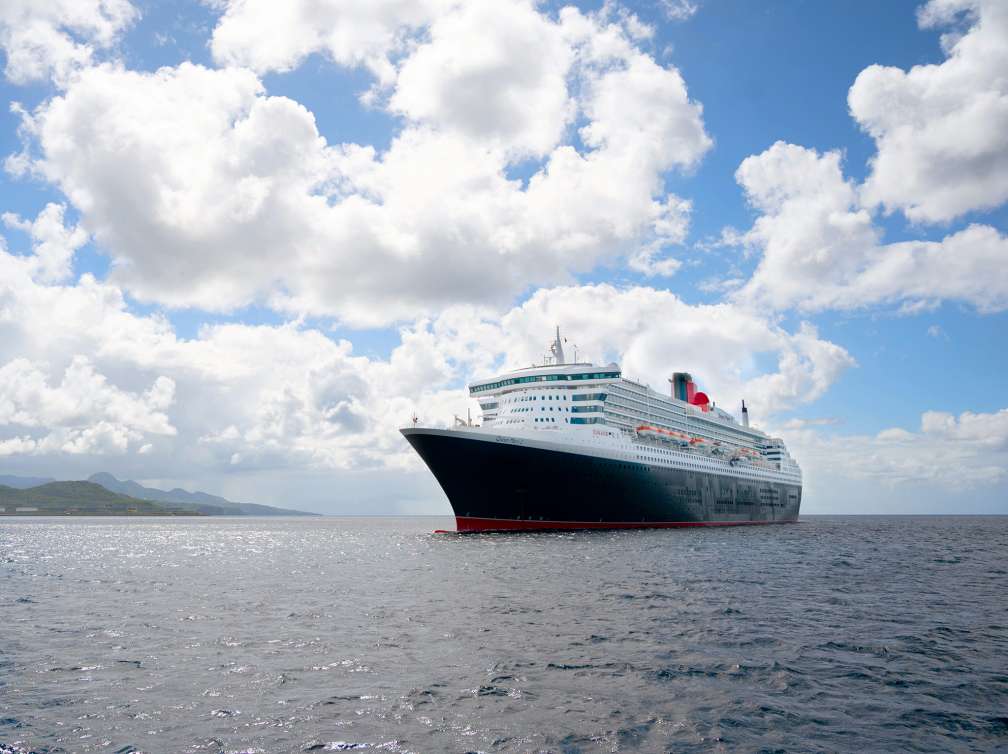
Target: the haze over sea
(290, 635)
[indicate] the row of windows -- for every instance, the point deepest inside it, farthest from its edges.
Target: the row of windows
(709, 464)
(698, 467)
(522, 421)
(587, 420)
(544, 378)
(586, 409)
(589, 397)
(524, 398)
(526, 409)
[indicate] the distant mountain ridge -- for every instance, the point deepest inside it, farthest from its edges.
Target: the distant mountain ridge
(200, 502)
(173, 501)
(80, 499)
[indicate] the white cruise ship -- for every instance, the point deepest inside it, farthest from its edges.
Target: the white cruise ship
(579, 446)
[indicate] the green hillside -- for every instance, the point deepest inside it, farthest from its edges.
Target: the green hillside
(78, 499)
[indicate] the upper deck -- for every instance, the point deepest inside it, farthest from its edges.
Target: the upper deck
(566, 396)
(553, 375)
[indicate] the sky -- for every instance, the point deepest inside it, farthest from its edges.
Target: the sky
(242, 242)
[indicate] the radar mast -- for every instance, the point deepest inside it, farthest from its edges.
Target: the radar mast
(557, 348)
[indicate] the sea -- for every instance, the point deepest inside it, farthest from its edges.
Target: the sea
(864, 634)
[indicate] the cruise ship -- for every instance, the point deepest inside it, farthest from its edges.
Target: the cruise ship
(578, 446)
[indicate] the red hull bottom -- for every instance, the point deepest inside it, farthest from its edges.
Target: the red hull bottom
(465, 524)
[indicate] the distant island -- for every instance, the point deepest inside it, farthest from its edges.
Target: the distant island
(104, 495)
(79, 499)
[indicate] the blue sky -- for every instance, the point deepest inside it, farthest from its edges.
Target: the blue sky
(291, 227)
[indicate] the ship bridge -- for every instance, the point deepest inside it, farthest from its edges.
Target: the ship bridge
(551, 395)
(545, 395)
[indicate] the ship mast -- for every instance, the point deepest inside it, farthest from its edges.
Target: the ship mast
(557, 349)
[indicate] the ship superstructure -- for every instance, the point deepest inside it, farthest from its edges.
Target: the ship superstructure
(575, 445)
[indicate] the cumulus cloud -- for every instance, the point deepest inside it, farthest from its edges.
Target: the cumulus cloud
(43, 39)
(321, 406)
(53, 244)
(206, 402)
(317, 406)
(653, 333)
(207, 192)
(493, 71)
(948, 452)
(268, 36)
(821, 249)
(941, 130)
(83, 413)
(984, 430)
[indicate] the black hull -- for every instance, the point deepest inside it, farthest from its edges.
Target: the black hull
(504, 486)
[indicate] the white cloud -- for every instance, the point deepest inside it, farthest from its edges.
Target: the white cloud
(83, 413)
(208, 193)
(941, 130)
(496, 72)
(653, 333)
(641, 110)
(824, 421)
(53, 244)
(671, 227)
(984, 430)
(948, 453)
(45, 39)
(821, 249)
(679, 10)
(179, 165)
(206, 403)
(277, 36)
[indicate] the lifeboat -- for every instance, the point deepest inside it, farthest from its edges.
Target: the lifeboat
(652, 433)
(665, 434)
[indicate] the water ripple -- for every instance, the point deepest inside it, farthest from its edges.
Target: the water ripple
(287, 635)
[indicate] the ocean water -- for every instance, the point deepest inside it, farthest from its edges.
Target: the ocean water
(295, 635)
